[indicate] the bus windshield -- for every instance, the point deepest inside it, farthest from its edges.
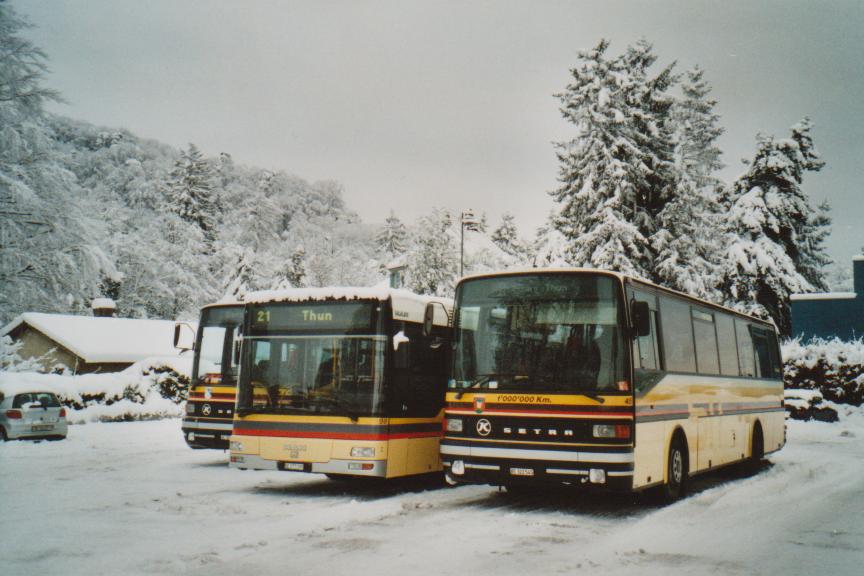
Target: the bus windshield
(320, 358)
(545, 332)
(218, 330)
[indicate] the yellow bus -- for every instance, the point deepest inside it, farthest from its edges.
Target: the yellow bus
(593, 378)
(342, 381)
(210, 406)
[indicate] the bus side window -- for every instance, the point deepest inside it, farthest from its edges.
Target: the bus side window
(707, 357)
(765, 348)
(678, 348)
(728, 347)
(745, 348)
(648, 349)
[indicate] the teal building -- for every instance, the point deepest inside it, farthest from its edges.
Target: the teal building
(832, 314)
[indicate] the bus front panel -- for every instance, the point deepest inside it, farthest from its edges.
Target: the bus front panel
(541, 388)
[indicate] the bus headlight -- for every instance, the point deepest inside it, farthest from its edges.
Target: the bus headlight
(190, 408)
(611, 431)
(236, 446)
(362, 452)
(458, 467)
(454, 425)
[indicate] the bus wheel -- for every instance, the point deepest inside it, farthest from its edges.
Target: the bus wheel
(676, 470)
(757, 450)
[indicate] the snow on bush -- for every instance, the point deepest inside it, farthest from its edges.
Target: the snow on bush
(151, 389)
(809, 405)
(833, 367)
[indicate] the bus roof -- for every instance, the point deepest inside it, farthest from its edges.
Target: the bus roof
(622, 278)
(406, 304)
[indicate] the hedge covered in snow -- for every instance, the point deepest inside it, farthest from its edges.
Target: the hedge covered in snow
(835, 368)
(150, 389)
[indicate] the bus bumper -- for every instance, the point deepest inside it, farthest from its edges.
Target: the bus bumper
(206, 434)
(368, 468)
(608, 471)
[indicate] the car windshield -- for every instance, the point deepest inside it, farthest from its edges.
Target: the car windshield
(218, 330)
(321, 358)
(540, 332)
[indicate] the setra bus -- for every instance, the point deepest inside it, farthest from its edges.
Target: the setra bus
(581, 376)
(212, 394)
(342, 381)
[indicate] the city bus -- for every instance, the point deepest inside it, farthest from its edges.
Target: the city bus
(348, 382)
(586, 377)
(212, 393)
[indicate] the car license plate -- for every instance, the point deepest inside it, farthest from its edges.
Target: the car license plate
(41, 427)
(522, 471)
(294, 466)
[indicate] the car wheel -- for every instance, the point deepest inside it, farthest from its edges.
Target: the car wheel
(3, 437)
(676, 470)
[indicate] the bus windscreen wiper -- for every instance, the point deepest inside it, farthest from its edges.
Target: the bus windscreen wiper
(479, 381)
(343, 406)
(594, 396)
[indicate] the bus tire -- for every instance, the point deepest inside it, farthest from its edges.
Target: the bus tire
(676, 469)
(757, 449)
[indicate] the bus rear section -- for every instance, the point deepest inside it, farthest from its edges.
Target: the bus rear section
(540, 390)
(345, 386)
(210, 406)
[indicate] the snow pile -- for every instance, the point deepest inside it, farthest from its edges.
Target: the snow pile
(810, 405)
(833, 367)
(151, 389)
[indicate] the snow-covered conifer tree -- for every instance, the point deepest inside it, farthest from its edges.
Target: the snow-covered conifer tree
(616, 173)
(392, 238)
(190, 192)
(770, 228)
(433, 258)
(685, 242)
(506, 236)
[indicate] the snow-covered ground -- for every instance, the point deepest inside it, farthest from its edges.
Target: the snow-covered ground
(131, 498)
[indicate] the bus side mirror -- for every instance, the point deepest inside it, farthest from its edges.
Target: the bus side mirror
(428, 319)
(237, 352)
(181, 343)
(640, 315)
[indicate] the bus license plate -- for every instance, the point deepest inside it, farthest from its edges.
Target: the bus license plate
(298, 466)
(521, 471)
(41, 427)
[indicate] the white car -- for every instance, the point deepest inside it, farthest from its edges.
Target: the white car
(31, 414)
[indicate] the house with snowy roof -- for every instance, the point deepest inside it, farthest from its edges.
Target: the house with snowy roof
(831, 314)
(85, 344)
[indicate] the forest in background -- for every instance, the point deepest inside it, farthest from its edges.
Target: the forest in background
(91, 212)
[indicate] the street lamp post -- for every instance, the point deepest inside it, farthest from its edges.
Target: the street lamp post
(468, 221)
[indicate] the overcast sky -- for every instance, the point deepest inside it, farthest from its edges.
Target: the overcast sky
(415, 104)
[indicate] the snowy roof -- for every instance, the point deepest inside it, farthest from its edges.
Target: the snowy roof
(399, 262)
(406, 304)
(858, 258)
(99, 303)
(825, 296)
(103, 339)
